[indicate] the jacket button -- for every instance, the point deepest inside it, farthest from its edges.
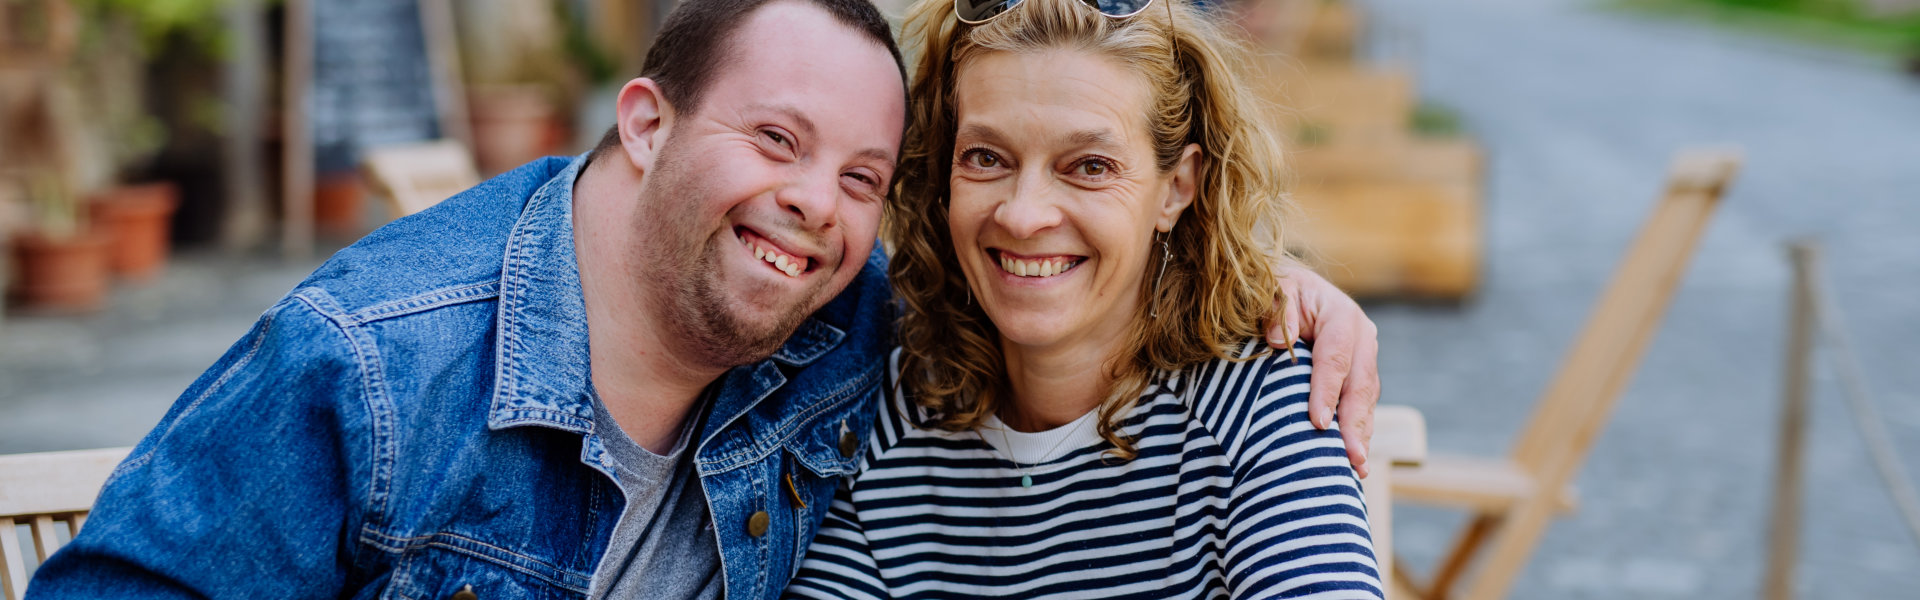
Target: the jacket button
(757, 524)
(465, 593)
(848, 444)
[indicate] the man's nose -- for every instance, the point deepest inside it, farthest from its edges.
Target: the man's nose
(814, 198)
(1033, 208)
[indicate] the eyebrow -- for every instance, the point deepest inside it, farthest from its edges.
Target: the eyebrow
(1084, 137)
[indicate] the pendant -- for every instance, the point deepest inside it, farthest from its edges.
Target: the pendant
(1026, 481)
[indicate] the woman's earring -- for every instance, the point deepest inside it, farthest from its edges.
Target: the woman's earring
(1166, 256)
(969, 295)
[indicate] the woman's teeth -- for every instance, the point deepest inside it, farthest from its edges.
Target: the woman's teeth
(1037, 268)
(791, 265)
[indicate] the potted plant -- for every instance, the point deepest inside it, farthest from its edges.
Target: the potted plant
(60, 263)
(120, 134)
(514, 53)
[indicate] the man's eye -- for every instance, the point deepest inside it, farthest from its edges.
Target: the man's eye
(777, 138)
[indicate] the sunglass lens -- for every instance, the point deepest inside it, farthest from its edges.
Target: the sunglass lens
(1117, 8)
(975, 12)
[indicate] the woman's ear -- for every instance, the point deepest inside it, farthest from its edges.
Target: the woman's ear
(1181, 191)
(644, 119)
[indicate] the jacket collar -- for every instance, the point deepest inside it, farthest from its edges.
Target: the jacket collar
(542, 374)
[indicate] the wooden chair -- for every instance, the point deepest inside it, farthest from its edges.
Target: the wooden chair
(1399, 439)
(1513, 498)
(50, 493)
(413, 177)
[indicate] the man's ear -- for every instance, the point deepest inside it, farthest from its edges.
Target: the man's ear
(644, 119)
(1181, 191)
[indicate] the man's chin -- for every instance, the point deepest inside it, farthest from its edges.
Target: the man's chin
(728, 334)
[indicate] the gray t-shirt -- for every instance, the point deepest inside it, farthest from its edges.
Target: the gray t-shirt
(663, 546)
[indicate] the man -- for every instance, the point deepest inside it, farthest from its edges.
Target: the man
(639, 373)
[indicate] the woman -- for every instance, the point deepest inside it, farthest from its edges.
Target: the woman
(1081, 405)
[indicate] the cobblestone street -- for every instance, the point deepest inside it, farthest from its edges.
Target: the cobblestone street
(1580, 109)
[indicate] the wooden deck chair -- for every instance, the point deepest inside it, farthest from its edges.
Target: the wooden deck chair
(413, 177)
(1399, 438)
(1512, 499)
(50, 493)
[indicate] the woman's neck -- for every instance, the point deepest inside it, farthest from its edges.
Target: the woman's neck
(1054, 385)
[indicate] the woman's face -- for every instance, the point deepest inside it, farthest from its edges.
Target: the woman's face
(1056, 195)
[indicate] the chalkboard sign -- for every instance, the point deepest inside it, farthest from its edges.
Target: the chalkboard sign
(372, 80)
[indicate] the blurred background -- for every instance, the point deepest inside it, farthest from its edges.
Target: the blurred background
(1472, 169)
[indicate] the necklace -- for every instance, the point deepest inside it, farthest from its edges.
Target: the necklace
(1026, 471)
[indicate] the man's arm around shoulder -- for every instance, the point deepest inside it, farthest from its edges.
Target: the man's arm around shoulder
(250, 485)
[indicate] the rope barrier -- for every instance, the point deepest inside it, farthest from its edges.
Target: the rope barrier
(1860, 400)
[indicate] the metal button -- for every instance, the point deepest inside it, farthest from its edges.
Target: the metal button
(848, 442)
(757, 524)
(466, 593)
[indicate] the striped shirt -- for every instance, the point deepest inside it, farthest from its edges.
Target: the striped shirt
(1233, 494)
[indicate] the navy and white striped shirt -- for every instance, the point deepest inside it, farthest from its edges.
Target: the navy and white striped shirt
(1233, 494)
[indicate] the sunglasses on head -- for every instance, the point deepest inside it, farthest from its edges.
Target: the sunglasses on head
(975, 12)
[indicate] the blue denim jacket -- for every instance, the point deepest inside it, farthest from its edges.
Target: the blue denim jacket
(414, 418)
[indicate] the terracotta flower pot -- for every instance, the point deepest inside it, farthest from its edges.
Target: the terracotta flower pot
(67, 275)
(512, 124)
(137, 220)
(337, 204)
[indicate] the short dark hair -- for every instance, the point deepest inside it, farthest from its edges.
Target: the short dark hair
(694, 42)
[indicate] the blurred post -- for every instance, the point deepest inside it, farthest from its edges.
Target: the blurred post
(296, 185)
(1783, 547)
(243, 88)
(443, 56)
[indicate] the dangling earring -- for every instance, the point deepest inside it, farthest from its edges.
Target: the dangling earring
(1166, 256)
(969, 295)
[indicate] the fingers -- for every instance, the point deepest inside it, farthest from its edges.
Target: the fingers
(1357, 401)
(1283, 324)
(1357, 432)
(1330, 368)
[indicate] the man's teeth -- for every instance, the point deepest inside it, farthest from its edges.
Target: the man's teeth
(1037, 268)
(792, 266)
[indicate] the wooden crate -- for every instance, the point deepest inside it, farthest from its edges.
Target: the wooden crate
(1402, 239)
(1323, 104)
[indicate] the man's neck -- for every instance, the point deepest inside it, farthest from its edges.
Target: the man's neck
(649, 388)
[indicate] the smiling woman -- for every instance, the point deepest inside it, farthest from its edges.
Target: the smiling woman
(1081, 406)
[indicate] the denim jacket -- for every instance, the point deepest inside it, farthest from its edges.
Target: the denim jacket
(414, 419)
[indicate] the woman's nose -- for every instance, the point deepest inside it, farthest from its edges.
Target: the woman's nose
(1033, 208)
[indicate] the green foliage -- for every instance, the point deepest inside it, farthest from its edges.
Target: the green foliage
(1842, 23)
(1312, 134)
(1435, 121)
(596, 64)
(154, 21)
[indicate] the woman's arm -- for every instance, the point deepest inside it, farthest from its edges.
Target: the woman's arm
(1297, 526)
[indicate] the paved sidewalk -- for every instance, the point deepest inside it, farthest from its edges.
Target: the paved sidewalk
(70, 383)
(1581, 109)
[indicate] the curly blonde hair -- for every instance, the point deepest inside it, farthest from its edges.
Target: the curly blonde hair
(1219, 283)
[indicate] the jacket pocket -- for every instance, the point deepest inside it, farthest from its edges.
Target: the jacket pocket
(444, 567)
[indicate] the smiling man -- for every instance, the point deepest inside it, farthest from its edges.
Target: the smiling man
(635, 373)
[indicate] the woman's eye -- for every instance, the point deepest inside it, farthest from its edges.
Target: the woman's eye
(981, 159)
(1095, 168)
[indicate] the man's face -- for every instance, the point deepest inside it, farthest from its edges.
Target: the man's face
(763, 204)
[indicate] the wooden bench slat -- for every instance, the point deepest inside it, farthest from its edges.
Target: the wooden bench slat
(13, 573)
